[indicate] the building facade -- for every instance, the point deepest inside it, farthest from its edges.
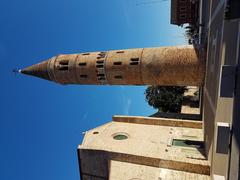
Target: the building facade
(184, 11)
(134, 148)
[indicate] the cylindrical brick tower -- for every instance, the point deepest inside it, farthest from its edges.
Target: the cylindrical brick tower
(165, 66)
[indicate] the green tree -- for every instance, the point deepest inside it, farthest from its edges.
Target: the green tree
(165, 98)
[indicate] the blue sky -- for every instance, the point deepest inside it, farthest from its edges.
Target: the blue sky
(42, 122)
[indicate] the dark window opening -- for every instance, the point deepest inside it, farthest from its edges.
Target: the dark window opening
(82, 64)
(101, 55)
(99, 65)
(101, 78)
(100, 61)
(117, 63)
(64, 62)
(134, 63)
(63, 68)
(134, 59)
(118, 77)
(100, 75)
(120, 137)
(85, 54)
(188, 143)
(120, 51)
(83, 76)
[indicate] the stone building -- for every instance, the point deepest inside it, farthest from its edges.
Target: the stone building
(134, 148)
(184, 11)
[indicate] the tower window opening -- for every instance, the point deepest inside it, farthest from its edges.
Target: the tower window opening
(100, 75)
(63, 68)
(82, 64)
(85, 54)
(117, 63)
(188, 143)
(133, 63)
(101, 55)
(134, 59)
(83, 76)
(64, 62)
(99, 65)
(101, 78)
(118, 77)
(100, 61)
(120, 52)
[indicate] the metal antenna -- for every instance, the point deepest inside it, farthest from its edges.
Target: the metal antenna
(16, 71)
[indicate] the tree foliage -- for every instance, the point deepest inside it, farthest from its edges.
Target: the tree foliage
(165, 98)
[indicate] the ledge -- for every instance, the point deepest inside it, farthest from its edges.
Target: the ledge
(158, 121)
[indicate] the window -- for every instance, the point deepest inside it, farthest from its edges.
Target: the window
(117, 63)
(101, 76)
(99, 61)
(101, 55)
(187, 143)
(134, 59)
(118, 77)
(63, 68)
(120, 52)
(83, 76)
(64, 62)
(82, 64)
(99, 65)
(63, 65)
(133, 63)
(120, 136)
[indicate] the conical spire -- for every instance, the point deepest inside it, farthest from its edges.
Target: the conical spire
(39, 70)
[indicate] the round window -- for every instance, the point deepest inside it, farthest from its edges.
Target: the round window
(120, 136)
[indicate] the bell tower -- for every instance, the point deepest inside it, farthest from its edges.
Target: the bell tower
(144, 66)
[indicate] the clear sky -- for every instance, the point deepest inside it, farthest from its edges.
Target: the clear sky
(41, 122)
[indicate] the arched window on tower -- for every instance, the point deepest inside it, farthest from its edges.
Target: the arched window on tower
(134, 61)
(63, 65)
